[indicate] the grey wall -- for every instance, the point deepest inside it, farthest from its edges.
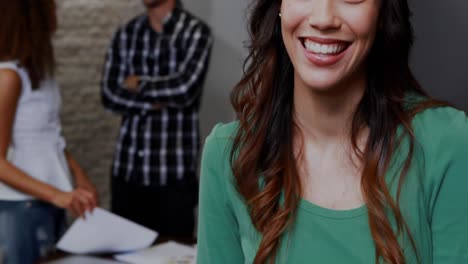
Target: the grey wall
(226, 18)
(440, 58)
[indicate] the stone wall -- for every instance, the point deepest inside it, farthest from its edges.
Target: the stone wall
(84, 34)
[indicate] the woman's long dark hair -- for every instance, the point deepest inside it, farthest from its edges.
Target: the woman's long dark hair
(263, 101)
(26, 28)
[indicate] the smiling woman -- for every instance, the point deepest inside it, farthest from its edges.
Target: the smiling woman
(338, 155)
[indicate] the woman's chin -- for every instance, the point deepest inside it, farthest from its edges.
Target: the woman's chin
(321, 85)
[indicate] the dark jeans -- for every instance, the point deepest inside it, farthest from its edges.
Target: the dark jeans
(169, 210)
(29, 230)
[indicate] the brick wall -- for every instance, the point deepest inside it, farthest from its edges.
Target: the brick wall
(84, 34)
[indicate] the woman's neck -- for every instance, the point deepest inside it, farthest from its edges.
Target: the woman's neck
(326, 116)
(157, 15)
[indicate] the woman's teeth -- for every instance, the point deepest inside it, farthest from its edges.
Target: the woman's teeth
(328, 49)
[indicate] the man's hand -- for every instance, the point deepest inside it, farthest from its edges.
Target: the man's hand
(157, 106)
(131, 83)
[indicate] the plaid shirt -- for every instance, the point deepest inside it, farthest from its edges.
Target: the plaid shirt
(157, 147)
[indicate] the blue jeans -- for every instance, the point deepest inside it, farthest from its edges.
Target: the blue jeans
(29, 230)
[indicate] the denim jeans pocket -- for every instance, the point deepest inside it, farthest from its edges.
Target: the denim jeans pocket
(28, 230)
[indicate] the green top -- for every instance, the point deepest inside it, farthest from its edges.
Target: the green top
(433, 202)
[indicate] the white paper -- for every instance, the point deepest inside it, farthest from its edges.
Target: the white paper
(166, 253)
(105, 232)
(83, 260)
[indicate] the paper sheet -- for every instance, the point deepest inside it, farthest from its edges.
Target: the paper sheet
(83, 260)
(166, 253)
(105, 232)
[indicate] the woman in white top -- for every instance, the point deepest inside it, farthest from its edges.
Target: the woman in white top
(37, 175)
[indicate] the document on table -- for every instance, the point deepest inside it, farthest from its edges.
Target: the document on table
(83, 260)
(166, 253)
(105, 232)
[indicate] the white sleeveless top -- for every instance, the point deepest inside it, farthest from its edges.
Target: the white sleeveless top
(37, 146)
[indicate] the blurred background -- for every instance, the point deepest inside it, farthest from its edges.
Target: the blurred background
(440, 58)
(440, 62)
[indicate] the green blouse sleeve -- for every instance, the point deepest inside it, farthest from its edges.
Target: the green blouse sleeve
(218, 232)
(449, 202)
